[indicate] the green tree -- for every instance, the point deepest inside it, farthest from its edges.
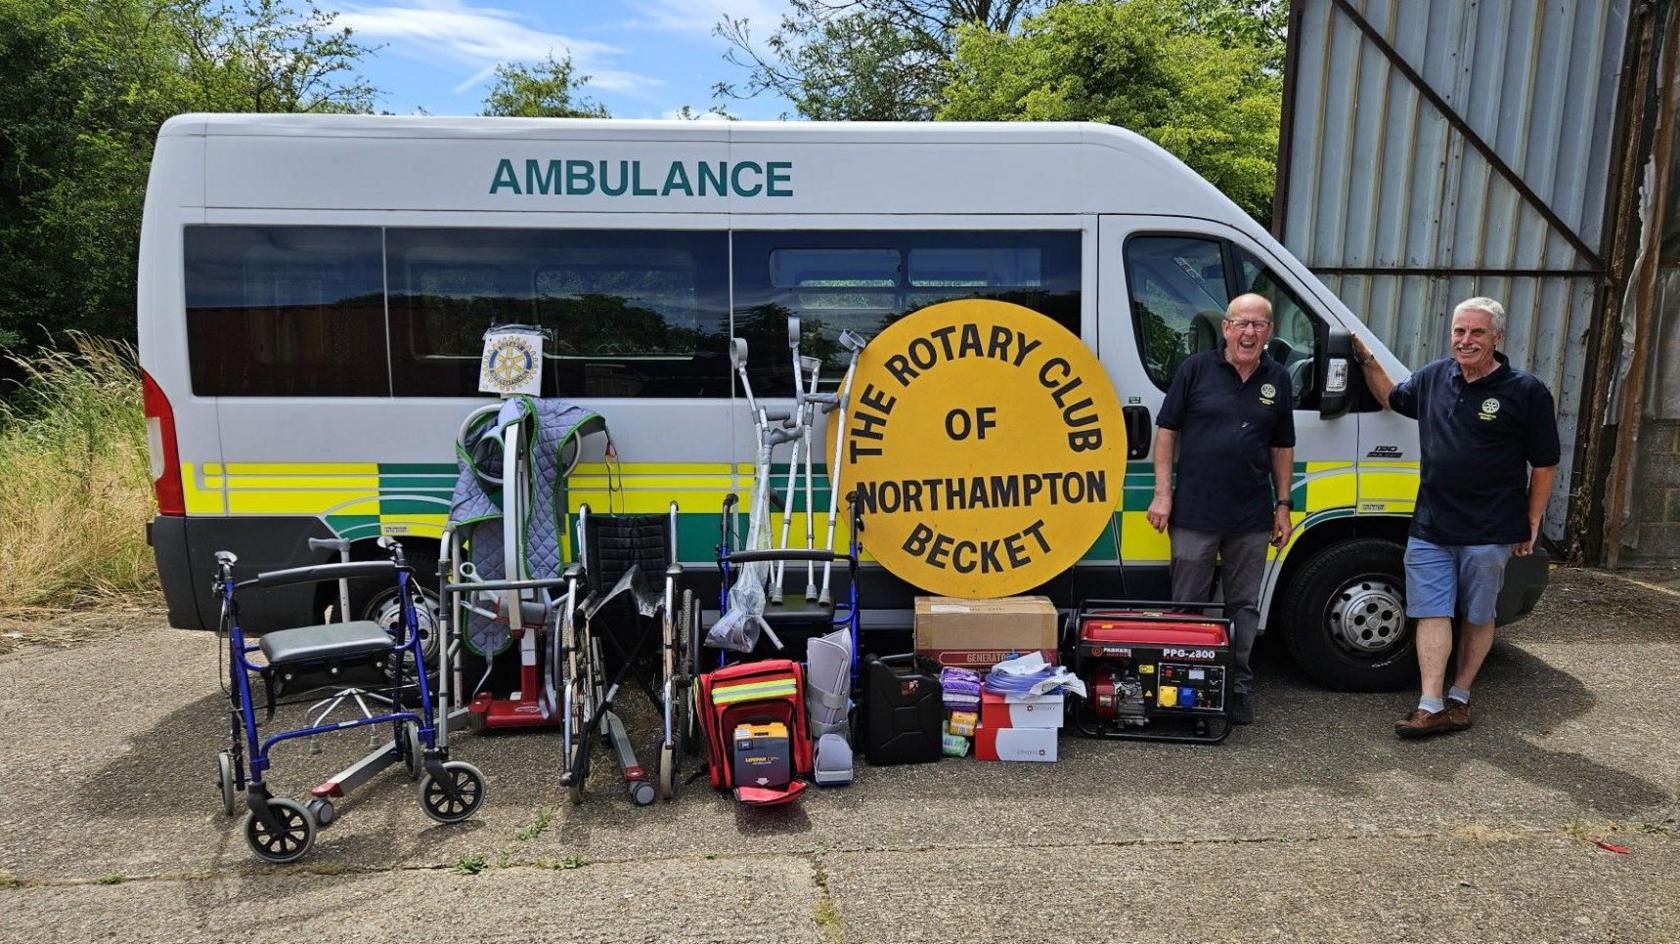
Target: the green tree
(1262, 24)
(687, 113)
(546, 89)
(1214, 103)
(84, 87)
(265, 56)
(861, 60)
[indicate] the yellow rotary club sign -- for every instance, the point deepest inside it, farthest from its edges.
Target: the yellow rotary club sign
(986, 447)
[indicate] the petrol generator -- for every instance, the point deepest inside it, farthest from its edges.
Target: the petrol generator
(1152, 671)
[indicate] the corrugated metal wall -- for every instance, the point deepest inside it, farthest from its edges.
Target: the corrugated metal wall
(1401, 213)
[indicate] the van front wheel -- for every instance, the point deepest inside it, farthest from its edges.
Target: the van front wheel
(1345, 618)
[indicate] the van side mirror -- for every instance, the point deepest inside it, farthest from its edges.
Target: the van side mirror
(1333, 373)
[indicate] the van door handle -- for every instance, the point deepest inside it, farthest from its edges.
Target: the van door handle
(1137, 431)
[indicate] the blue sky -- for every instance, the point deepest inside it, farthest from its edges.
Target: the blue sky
(647, 57)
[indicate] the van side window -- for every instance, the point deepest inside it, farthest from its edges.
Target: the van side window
(865, 281)
(1295, 335)
(628, 313)
(295, 311)
(1178, 293)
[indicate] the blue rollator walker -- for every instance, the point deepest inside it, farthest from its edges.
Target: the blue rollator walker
(804, 623)
(280, 829)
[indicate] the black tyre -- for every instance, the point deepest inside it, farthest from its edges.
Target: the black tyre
(376, 600)
(682, 715)
(578, 768)
(287, 844)
(1344, 618)
(469, 788)
(409, 747)
(696, 659)
(225, 784)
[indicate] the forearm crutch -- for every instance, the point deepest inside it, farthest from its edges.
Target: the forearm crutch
(855, 344)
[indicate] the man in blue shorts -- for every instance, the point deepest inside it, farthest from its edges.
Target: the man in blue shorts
(1483, 425)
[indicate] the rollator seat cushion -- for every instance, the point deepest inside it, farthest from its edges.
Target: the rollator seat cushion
(797, 612)
(329, 643)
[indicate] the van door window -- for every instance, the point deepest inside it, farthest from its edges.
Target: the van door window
(865, 281)
(1295, 335)
(1178, 293)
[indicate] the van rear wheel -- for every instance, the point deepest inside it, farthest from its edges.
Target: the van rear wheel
(1345, 618)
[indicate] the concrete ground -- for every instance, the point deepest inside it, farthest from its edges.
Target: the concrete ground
(1314, 824)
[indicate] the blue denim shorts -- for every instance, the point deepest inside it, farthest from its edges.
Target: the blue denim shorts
(1446, 580)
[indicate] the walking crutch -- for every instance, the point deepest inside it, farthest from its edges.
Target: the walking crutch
(854, 343)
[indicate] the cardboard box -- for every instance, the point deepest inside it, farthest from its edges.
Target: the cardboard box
(1021, 711)
(978, 634)
(1018, 744)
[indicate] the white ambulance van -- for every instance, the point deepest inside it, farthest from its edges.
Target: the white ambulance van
(313, 291)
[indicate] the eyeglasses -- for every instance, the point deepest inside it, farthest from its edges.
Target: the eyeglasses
(1246, 325)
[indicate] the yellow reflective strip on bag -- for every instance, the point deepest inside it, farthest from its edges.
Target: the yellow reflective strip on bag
(754, 691)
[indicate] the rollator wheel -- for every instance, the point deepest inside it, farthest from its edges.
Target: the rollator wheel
(667, 772)
(224, 780)
(413, 755)
(291, 841)
(322, 810)
(466, 780)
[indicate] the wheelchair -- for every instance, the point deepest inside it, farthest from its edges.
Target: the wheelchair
(306, 658)
(620, 627)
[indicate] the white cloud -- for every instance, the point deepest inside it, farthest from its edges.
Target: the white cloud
(688, 16)
(477, 39)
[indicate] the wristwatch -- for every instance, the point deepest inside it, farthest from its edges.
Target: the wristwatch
(1285, 502)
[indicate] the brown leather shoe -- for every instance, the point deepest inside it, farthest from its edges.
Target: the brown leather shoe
(1457, 714)
(1422, 723)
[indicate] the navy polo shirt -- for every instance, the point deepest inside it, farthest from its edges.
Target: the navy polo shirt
(1227, 428)
(1478, 441)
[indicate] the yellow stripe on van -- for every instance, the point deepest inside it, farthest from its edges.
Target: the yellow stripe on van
(202, 493)
(1388, 487)
(1140, 542)
(295, 469)
(1330, 485)
(667, 468)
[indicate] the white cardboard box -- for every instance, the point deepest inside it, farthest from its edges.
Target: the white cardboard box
(1021, 711)
(1018, 744)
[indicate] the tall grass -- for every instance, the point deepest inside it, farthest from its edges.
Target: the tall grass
(75, 483)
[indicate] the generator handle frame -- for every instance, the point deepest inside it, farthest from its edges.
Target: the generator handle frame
(1086, 606)
(1069, 627)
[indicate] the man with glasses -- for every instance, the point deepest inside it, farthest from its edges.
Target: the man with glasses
(1229, 418)
(1489, 440)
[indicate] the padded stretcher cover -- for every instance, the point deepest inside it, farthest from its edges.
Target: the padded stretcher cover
(476, 510)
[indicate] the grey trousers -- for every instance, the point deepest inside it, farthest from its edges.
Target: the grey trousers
(1195, 555)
